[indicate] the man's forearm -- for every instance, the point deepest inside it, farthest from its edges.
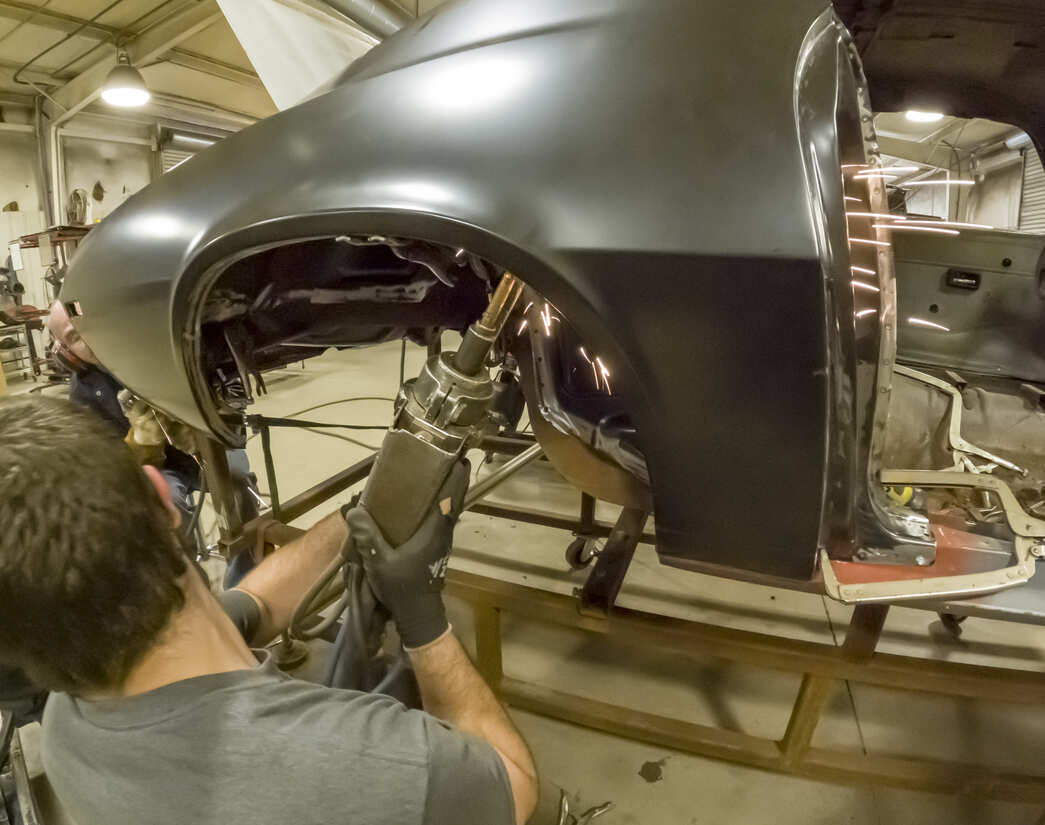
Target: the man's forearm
(282, 579)
(453, 690)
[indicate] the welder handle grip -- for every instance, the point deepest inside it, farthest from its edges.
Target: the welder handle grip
(404, 482)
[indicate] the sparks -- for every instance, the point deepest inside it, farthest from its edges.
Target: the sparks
(851, 198)
(585, 354)
(921, 322)
(863, 269)
(522, 326)
(528, 307)
(546, 316)
(863, 313)
(895, 226)
(868, 240)
(605, 375)
(853, 165)
(865, 285)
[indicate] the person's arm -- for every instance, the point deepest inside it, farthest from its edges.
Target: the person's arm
(409, 580)
(283, 578)
(453, 690)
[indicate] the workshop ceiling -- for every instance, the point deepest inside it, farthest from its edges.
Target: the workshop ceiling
(971, 58)
(204, 63)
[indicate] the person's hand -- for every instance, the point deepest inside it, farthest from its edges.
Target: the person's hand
(152, 428)
(408, 580)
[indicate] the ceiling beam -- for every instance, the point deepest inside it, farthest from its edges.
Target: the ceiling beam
(65, 23)
(9, 67)
(214, 68)
(142, 49)
(15, 99)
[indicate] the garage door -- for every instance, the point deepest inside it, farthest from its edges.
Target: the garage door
(1032, 205)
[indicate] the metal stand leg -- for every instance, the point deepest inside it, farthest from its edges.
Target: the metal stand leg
(600, 590)
(222, 491)
(865, 629)
(805, 716)
(584, 548)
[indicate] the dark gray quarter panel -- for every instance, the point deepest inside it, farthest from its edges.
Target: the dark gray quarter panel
(604, 151)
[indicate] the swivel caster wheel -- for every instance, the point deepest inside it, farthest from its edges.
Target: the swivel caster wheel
(581, 552)
(952, 624)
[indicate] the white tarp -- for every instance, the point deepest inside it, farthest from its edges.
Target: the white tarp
(293, 48)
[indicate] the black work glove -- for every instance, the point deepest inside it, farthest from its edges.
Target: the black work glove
(408, 580)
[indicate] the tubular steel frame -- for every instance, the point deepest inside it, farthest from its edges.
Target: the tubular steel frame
(821, 666)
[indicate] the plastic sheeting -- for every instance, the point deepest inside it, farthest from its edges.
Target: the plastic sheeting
(294, 49)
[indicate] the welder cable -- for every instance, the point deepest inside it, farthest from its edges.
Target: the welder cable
(307, 606)
(340, 401)
(333, 663)
(373, 448)
(357, 623)
(307, 634)
(394, 672)
(347, 665)
(266, 421)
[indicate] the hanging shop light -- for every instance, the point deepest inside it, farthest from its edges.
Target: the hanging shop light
(125, 86)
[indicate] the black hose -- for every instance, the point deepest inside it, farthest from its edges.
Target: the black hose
(333, 664)
(394, 672)
(357, 628)
(306, 607)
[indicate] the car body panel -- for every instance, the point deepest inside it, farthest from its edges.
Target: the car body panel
(985, 289)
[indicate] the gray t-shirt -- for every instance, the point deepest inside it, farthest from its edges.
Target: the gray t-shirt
(258, 747)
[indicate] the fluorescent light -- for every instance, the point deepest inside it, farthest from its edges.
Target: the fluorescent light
(954, 223)
(894, 226)
(869, 241)
(916, 116)
(876, 215)
(938, 183)
(865, 312)
(865, 285)
(863, 269)
(1017, 140)
(921, 322)
(887, 170)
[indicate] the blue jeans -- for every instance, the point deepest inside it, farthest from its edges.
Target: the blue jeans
(183, 484)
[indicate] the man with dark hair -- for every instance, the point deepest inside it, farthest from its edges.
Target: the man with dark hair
(92, 387)
(163, 714)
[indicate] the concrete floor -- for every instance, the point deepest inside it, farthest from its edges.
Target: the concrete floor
(656, 785)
